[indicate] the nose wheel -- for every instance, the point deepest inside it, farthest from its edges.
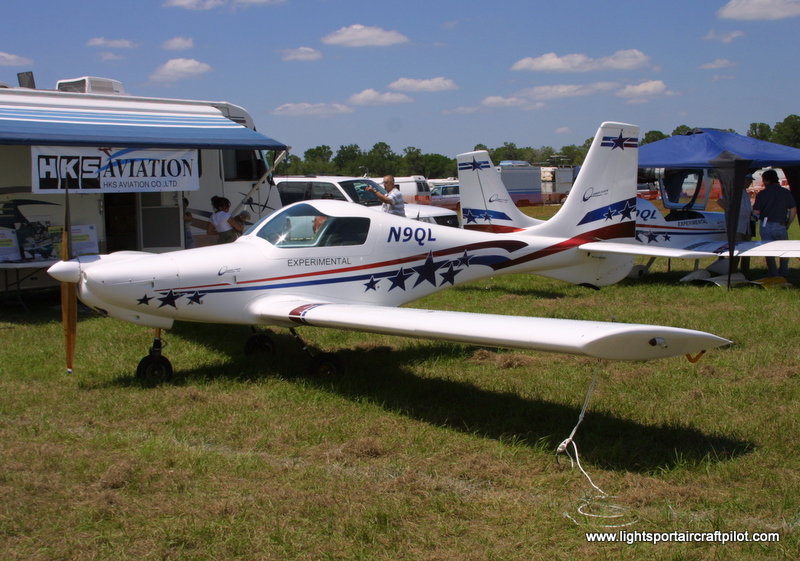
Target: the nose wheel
(154, 369)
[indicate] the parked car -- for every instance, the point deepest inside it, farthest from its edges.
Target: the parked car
(446, 196)
(354, 189)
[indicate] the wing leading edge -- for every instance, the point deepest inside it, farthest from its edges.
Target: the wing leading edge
(789, 248)
(610, 341)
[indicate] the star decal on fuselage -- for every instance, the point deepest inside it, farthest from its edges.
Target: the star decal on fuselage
(144, 300)
(169, 299)
(427, 271)
(372, 284)
(196, 298)
(399, 279)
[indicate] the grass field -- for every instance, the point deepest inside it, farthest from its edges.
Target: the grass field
(423, 450)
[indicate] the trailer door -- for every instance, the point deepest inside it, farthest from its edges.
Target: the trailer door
(160, 222)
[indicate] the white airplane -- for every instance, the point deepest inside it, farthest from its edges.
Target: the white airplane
(684, 234)
(327, 263)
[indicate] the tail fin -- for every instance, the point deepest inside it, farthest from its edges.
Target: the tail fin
(601, 204)
(485, 202)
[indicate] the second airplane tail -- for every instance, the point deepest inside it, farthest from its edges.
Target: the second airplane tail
(601, 204)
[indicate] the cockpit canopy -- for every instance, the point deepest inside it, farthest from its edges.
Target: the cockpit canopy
(304, 225)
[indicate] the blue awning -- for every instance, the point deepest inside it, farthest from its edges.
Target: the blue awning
(58, 119)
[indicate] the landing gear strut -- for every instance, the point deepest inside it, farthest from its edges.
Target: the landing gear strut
(323, 365)
(154, 369)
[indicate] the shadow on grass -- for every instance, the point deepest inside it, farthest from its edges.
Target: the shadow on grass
(604, 440)
(378, 375)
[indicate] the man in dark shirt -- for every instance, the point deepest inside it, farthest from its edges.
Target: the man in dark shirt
(776, 209)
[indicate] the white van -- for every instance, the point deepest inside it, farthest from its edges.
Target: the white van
(415, 188)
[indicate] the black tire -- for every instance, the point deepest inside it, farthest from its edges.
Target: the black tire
(154, 370)
(326, 365)
(259, 344)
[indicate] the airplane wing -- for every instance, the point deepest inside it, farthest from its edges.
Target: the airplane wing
(787, 248)
(611, 341)
(636, 248)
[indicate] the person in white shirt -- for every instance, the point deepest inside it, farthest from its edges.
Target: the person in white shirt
(393, 199)
(222, 223)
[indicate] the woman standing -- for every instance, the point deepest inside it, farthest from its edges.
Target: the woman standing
(222, 223)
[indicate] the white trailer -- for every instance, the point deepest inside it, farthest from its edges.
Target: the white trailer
(128, 164)
(556, 184)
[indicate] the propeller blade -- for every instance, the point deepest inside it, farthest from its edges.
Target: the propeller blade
(69, 291)
(69, 317)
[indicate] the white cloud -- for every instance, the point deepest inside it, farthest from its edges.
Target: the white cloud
(500, 101)
(7, 59)
(568, 90)
(718, 63)
(258, 2)
(439, 84)
(311, 109)
(644, 92)
(621, 60)
(111, 43)
(373, 97)
(361, 36)
(107, 56)
(496, 101)
(178, 44)
(300, 53)
(462, 110)
(724, 37)
(563, 130)
(193, 4)
(759, 9)
(179, 69)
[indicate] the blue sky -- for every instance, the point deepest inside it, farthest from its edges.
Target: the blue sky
(438, 75)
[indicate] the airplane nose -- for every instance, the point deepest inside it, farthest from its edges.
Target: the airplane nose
(66, 271)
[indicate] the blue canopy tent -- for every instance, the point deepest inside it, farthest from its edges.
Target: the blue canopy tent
(732, 155)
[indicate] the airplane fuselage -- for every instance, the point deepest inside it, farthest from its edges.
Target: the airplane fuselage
(400, 260)
(678, 228)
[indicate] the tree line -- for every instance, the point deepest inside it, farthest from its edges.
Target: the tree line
(381, 160)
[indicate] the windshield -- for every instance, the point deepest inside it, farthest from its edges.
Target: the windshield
(357, 190)
(302, 225)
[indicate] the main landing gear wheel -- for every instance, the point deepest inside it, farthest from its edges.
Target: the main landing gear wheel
(259, 344)
(326, 365)
(154, 369)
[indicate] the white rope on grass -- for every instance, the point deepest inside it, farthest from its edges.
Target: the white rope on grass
(563, 448)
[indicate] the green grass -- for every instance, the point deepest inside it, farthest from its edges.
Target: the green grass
(423, 450)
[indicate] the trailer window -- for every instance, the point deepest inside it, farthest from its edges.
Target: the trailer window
(242, 165)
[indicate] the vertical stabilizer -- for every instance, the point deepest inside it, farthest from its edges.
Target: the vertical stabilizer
(485, 202)
(601, 204)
